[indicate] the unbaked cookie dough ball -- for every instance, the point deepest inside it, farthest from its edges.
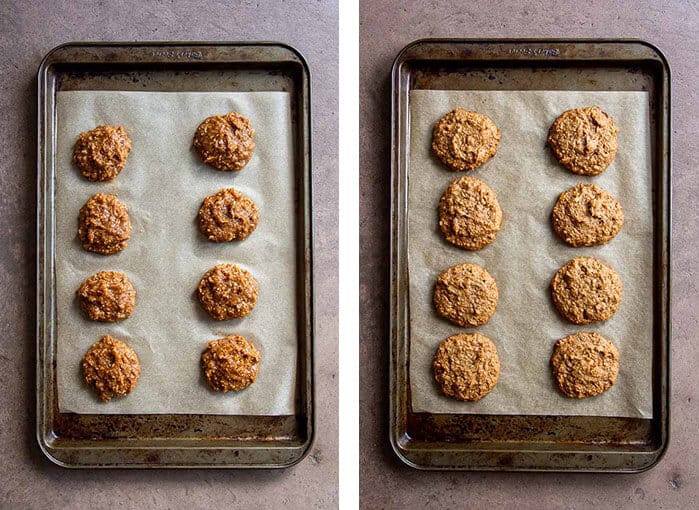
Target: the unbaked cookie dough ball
(227, 216)
(230, 363)
(107, 296)
(227, 292)
(111, 368)
(100, 154)
(104, 226)
(225, 142)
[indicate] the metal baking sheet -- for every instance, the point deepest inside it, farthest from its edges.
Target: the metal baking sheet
(530, 442)
(174, 440)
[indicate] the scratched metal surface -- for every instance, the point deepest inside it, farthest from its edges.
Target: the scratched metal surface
(173, 440)
(539, 443)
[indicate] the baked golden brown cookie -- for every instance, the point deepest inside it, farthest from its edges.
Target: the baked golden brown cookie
(584, 364)
(230, 363)
(585, 290)
(111, 368)
(104, 226)
(466, 366)
(227, 292)
(469, 213)
(227, 216)
(466, 295)
(101, 153)
(107, 296)
(464, 140)
(586, 215)
(225, 142)
(584, 140)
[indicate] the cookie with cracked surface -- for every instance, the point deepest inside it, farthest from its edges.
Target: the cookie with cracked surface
(227, 292)
(107, 296)
(104, 226)
(586, 290)
(230, 363)
(111, 368)
(584, 140)
(101, 153)
(225, 142)
(464, 140)
(584, 364)
(586, 215)
(466, 295)
(227, 216)
(469, 213)
(466, 366)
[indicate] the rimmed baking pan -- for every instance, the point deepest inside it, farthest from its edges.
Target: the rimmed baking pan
(175, 439)
(530, 442)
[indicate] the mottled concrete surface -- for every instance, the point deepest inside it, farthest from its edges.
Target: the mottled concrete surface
(28, 30)
(386, 26)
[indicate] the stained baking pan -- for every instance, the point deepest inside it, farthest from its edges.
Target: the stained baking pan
(174, 440)
(511, 442)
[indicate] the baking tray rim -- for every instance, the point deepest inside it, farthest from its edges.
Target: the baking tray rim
(656, 455)
(302, 449)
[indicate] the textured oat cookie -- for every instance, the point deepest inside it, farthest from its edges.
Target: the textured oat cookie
(584, 140)
(111, 368)
(466, 295)
(466, 366)
(469, 213)
(584, 364)
(225, 142)
(230, 363)
(227, 292)
(464, 140)
(585, 290)
(100, 154)
(104, 226)
(227, 216)
(107, 296)
(586, 215)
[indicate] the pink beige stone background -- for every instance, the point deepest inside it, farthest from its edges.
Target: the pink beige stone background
(386, 27)
(28, 30)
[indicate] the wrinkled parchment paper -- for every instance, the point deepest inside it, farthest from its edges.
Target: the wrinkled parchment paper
(526, 253)
(163, 185)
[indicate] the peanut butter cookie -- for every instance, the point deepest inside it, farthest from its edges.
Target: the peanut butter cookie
(104, 226)
(465, 140)
(230, 363)
(111, 368)
(227, 292)
(584, 140)
(227, 216)
(466, 295)
(101, 153)
(466, 366)
(585, 290)
(107, 296)
(469, 213)
(225, 142)
(586, 215)
(584, 364)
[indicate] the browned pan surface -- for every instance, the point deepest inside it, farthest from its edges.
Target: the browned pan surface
(530, 443)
